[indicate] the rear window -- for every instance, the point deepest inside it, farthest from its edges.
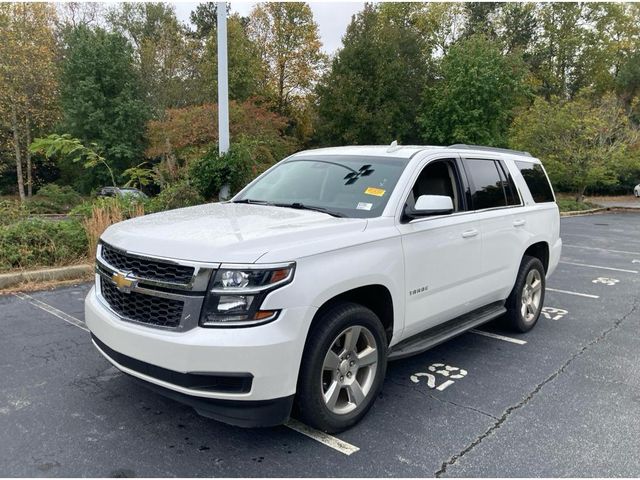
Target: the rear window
(537, 182)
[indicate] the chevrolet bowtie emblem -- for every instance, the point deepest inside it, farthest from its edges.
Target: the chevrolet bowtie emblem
(123, 283)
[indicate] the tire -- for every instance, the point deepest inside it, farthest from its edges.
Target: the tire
(521, 315)
(328, 367)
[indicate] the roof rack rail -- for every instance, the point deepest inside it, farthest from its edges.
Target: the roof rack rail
(489, 149)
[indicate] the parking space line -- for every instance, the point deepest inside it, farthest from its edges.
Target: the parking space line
(599, 267)
(52, 310)
(324, 438)
(568, 292)
(603, 249)
(498, 337)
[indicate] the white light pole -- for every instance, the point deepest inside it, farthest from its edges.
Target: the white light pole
(223, 90)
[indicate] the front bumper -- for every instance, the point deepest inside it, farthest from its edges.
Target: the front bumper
(269, 354)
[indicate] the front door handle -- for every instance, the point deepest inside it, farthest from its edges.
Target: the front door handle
(519, 223)
(470, 233)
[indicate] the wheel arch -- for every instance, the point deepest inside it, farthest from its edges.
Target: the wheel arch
(539, 250)
(376, 297)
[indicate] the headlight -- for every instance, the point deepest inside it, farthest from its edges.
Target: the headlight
(235, 294)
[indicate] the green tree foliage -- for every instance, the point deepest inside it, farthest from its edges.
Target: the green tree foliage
(204, 18)
(583, 143)
(247, 71)
(289, 43)
(71, 149)
(474, 98)
(28, 82)
(165, 54)
(370, 94)
(102, 101)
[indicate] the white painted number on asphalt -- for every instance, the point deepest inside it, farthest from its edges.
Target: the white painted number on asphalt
(553, 313)
(438, 370)
(606, 280)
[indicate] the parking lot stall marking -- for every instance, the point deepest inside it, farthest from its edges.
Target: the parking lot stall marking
(599, 267)
(517, 341)
(52, 310)
(446, 371)
(568, 292)
(324, 438)
(553, 313)
(606, 280)
(602, 249)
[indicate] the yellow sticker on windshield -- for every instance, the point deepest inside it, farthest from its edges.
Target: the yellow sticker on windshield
(378, 192)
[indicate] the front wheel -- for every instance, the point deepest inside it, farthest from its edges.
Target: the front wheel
(342, 368)
(527, 298)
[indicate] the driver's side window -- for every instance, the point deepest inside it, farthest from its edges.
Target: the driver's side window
(439, 177)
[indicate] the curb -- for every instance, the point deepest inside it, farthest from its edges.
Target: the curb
(583, 212)
(48, 274)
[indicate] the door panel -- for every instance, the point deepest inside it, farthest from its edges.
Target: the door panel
(443, 269)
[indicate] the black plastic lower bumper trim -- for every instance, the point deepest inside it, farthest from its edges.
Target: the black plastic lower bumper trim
(242, 413)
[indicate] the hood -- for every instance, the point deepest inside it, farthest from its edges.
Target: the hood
(225, 232)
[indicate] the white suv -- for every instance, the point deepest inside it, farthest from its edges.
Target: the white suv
(297, 291)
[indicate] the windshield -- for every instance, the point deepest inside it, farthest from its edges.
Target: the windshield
(349, 186)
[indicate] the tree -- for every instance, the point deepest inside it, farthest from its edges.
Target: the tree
(71, 148)
(474, 98)
(164, 52)
(583, 143)
(371, 94)
(102, 99)
(289, 44)
(247, 72)
(29, 95)
(205, 19)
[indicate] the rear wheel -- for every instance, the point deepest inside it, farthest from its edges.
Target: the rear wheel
(527, 297)
(342, 369)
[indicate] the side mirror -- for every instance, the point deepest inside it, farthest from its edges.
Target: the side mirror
(430, 205)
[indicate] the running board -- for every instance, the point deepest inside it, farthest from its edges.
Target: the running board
(441, 333)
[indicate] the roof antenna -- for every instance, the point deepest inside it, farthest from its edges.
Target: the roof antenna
(393, 147)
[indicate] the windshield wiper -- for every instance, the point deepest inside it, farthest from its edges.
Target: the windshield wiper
(301, 206)
(253, 202)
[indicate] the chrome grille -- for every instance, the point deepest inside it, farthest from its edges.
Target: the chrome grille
(152, 310)
(148, 269)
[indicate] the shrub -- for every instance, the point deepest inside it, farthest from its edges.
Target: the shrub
(32, 243)
(54, 199)
(11, 211)
(211, 172)
(130, 206)
(105, 213)
(178, 195)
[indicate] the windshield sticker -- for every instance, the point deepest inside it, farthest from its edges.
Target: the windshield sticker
(378, 192)
(364, 206)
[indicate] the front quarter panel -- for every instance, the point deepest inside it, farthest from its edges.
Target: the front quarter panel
(321, 277)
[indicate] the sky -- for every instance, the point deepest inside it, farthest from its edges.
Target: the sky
(332, 17)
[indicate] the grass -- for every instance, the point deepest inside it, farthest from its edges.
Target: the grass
(568, 205)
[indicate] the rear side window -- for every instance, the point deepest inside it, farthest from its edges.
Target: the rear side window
(513, 198)
(537, 181)
(486, 184)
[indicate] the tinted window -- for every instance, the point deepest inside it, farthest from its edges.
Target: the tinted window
(509, 186)
(537, 181)
(353, 186)
(486, 184)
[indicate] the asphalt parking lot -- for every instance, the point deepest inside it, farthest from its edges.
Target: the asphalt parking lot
(562, 400)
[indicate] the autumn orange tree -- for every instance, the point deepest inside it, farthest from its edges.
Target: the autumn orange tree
(28, 103)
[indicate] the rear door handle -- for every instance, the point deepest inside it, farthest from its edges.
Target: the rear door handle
(470, 233)
(519, 223)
